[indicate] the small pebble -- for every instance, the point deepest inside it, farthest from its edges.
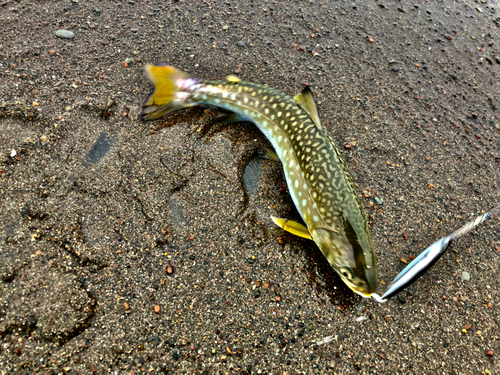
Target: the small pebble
(240, 43)
(490, 353)
(169, 269)
(124, 64)
(465, 276)
(395, 69)
(126, 306)
(371, 40)
(277, 298)
(228, 350)
(65, 34)
(157, 309)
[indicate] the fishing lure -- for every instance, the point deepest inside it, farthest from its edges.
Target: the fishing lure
(431, 255)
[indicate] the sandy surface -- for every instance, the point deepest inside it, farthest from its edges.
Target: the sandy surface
(132, 248)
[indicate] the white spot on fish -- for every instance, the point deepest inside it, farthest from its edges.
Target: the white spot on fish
(264, 123)
(233, 96)
(291, 164)
(304, 202)
(300, 193)
(315, 218)
(296, 183)
(280, 138)
(266, 111)
(272, 117)
(224, 94)
(279, 114)
(245, 99)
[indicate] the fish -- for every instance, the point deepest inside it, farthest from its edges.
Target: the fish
(317, 178)
(431, 255)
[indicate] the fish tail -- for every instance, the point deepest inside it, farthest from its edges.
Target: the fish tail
(168, 82)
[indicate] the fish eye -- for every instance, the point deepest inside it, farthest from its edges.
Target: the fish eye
(345, 272)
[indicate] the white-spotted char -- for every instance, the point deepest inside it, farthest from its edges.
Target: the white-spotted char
(317, 178)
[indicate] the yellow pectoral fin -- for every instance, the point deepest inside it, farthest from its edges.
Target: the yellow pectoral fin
(293, 227)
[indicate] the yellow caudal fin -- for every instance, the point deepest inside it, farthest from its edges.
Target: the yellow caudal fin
(293, 227)
(164, 78)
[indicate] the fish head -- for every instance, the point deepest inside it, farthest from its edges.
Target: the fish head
(351, 257)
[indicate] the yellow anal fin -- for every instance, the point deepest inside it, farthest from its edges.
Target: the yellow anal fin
(293, 227)
(271, 155)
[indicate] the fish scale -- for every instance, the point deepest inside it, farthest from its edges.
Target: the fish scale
(317, 178)
(290, 129)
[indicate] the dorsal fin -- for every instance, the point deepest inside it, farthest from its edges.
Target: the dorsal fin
(232, 79)
(305, 101)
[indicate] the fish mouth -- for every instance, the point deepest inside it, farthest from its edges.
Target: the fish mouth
(355, 289)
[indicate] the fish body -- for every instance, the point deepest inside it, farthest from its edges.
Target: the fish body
(317, 178)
